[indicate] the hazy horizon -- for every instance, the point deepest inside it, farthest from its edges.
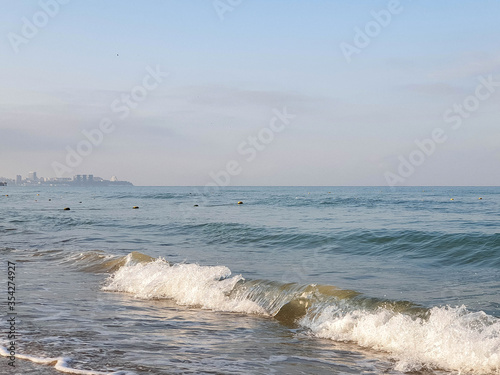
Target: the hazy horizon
(252, 93)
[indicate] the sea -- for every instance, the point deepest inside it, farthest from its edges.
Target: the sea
(293, 280)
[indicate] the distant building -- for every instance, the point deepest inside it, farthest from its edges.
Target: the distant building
(86, 180)
(61, 179)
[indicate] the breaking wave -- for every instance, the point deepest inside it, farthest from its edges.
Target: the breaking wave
(417, 338)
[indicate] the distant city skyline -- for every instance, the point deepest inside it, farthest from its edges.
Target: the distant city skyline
(263, 92)
(79, 179)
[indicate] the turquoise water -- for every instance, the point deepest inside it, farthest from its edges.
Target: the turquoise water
(294, 280)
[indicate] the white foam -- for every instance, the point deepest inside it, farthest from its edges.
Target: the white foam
(450, 338)
(187, 284)
(59, 363)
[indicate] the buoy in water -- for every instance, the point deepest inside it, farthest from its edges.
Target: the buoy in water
(452, 199)
(135, 207)
(480, 198)
(240, 202)
(66, 208)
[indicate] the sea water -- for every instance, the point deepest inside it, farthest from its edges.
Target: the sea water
(296, 280)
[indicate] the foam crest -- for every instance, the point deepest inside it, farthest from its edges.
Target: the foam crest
(441, 338)
(447, 338)
(60, 364)
(187, 284)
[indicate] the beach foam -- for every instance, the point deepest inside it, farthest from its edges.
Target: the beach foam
(60, 364)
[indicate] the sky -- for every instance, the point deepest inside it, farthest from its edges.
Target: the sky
(252, 92)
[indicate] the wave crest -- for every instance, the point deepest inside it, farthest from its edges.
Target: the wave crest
(187, 284)
(445, 338)
(449, 338)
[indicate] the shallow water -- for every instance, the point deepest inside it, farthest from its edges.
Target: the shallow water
(295, 280)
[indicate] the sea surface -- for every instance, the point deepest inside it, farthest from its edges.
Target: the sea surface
(296, 280)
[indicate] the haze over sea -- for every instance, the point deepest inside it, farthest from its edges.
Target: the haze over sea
(317, 280)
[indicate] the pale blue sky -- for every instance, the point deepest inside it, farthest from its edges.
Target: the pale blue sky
(354, 120)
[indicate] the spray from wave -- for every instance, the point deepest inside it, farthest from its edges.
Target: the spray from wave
(446, 338)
